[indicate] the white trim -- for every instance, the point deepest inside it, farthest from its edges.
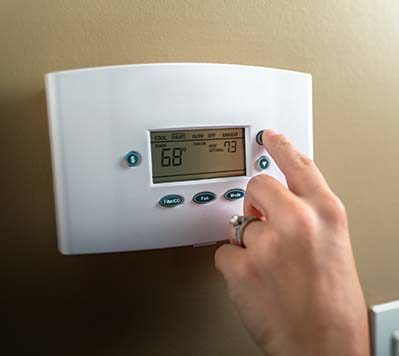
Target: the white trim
(378, 308)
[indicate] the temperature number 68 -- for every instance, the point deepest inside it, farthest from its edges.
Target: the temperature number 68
(176, 159)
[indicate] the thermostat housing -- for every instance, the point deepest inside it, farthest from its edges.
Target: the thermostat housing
(159, 155)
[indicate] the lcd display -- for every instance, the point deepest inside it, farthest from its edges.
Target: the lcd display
(197, 154)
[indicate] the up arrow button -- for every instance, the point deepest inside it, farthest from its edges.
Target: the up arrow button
(263, 163)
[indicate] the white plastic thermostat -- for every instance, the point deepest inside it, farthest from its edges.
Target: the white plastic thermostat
(159, 155)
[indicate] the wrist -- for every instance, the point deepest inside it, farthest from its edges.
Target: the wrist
(333, 341)
(345, 342)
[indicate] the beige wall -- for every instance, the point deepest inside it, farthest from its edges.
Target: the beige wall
(172, 302)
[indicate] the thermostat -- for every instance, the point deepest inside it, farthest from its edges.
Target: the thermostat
(152, 156)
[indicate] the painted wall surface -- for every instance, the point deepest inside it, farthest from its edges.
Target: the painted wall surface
(173, 302)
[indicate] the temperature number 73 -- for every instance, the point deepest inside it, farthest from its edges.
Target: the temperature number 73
(231, 146)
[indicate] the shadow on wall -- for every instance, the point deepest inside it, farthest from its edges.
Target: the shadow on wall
(91, 304)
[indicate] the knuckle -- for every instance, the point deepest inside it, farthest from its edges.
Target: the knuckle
(304, 160)
(303, 220)
(301, 162)
(219, 256)
(299, 159)
(244, 270)
(332, 210)
(267, 243)
(260, 180)
(280, 141)
(217, 260)
(256, 183)
(257, 180)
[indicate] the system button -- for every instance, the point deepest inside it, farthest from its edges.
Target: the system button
(171, 200)
(258, 138)
(204, 197)
(263, 162)
(234, 194)
(132, 159)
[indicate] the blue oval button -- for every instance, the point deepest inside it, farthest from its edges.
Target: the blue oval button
(170, 201)
(132, 159)
(204, 197)
(263, 162)
(234, 194)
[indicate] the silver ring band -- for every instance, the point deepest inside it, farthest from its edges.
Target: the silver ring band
(240, 223)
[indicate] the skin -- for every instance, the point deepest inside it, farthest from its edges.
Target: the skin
(295, 284)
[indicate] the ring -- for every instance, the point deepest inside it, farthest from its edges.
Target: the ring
(240, 223)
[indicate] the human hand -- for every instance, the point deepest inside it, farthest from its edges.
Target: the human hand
(295, 283)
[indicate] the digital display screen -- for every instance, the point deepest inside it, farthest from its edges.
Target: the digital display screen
(197, 154)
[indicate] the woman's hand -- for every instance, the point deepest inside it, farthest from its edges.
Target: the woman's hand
(295, 284)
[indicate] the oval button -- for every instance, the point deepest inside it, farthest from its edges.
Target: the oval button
(204, 197)
(170, 201)
(263, 162)
(258, 138)
(234, 194)
(132, 159)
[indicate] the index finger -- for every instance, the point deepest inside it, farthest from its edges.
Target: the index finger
(266, 197)
(302, 175)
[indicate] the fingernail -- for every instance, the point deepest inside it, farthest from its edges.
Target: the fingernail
(271, 132)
